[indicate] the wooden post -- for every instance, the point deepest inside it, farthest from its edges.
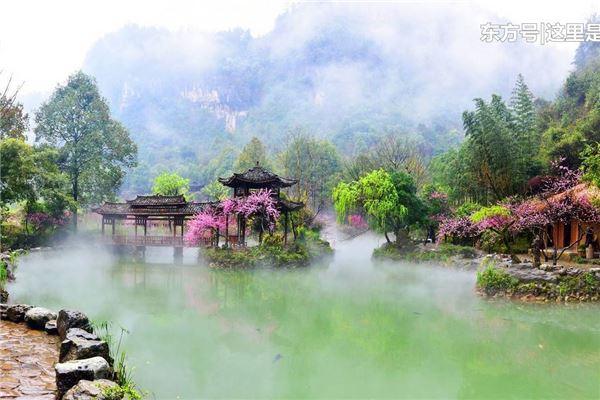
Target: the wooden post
(227, 230)
(239, 232)
(285, 228)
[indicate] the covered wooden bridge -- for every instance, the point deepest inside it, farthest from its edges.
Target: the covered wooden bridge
(167, 214)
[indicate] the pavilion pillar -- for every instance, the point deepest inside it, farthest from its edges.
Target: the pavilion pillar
(135, 228)
(145, 226)
(113, 226)
(103, 225)
(239, 231)
(227, 230)
(285, 228)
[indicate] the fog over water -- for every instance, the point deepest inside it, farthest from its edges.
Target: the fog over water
(350, 328)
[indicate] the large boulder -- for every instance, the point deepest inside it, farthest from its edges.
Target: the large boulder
(37, 317)
(68, 319)
(69, 373)
(16, 312)
(88, 390)
(79, 344)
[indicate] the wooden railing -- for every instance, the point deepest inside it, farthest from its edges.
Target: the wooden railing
(161, 241)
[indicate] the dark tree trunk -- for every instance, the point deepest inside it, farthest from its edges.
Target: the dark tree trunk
(76, 199)
(387, 237)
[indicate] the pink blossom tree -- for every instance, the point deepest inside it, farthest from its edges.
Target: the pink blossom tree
(260, 206)
(557, 202)
(208, 221)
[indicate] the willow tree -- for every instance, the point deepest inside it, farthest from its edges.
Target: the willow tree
(94, 150)
(389, 201)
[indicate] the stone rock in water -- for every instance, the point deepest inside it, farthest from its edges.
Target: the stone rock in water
(37, 317)
(3, 309)
(69, 373)
(3, 296)
(68, 319)
(88, 390)
(79, 344)
(51, 328)
(16, 312)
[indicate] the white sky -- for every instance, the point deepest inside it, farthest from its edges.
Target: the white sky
(42, 42)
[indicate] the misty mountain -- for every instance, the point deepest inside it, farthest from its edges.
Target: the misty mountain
(344, 72)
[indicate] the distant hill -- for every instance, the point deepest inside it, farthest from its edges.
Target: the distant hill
(344, 72)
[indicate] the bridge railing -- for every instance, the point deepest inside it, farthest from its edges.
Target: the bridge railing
(170, 241)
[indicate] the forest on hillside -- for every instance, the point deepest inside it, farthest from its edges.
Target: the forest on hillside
(191, 100)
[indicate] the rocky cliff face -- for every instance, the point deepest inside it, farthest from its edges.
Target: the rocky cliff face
(209, 99)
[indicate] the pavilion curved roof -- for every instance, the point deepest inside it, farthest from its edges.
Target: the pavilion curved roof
(157, 200)
(131, 208)
(257, 178)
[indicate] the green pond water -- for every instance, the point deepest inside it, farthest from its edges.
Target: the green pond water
(346, 329)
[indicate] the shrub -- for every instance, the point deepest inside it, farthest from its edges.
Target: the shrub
(493, 279)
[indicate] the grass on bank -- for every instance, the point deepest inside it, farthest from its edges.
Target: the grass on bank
(123, 375)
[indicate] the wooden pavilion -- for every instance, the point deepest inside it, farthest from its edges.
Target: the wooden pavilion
(256, 178)
(175, 211)
(571, 234)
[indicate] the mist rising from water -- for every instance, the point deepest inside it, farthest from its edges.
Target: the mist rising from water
(349, 328)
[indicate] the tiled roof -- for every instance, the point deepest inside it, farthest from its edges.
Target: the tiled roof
(257, 176)
(124, 209)
(158, 200)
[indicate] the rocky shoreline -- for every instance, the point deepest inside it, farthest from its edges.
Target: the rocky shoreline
(85, 368)
(500, 277)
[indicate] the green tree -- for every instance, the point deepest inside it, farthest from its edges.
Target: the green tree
(591, 164)
(31, 175)
(527, 136)
(316, 165)
(171, 184)
(13, 120)
(94, 149)
(393, 151)
(215, 191)
(491, 148)
(252, 153)
(389, 201)
(17, 172)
